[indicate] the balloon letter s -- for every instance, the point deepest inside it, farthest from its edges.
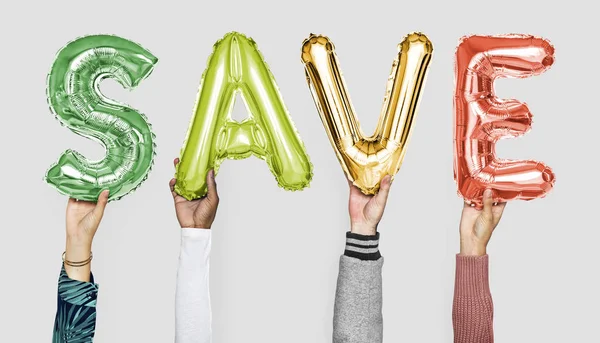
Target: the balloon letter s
(481, 119)
(75, 98)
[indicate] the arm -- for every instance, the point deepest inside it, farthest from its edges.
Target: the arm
(358, 314)
(75, 310)
(75, 318)
(193, 316)
(473, 310)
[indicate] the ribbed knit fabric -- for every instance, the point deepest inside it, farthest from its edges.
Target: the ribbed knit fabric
(358, 316)
(362, 247)
(473, 310)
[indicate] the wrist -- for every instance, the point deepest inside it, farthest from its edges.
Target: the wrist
(363, 229)
(77, 250)
(196, 226)
(473, 250)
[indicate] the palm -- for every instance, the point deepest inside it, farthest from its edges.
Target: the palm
(358, 205)
(80, 217)
(475, 222)
(366, 210)
(477, 225)
(199, 213)
(194, 211)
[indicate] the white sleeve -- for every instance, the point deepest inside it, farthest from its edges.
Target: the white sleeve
(192, 300)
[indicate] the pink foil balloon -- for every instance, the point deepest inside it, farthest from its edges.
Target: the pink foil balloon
(481, 118)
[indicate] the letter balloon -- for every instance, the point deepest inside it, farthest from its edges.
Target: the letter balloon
(366, 160)
(75, 99)
(481, 118)
(236, 66)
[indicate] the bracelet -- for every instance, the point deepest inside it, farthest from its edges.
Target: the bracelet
(78, 263)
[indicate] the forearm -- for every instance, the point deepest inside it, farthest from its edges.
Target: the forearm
(472, 313)
(358, 314)
(78, 251)
(75, 319)
(192, 301)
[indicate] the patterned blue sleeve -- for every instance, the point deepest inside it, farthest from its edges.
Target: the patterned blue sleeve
(75, 320)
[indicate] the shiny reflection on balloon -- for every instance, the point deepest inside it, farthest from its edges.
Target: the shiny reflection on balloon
(237, 67)
(366, 160)
(481, 118)
(76, 101)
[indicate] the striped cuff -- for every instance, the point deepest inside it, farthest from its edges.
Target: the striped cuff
(362, 247)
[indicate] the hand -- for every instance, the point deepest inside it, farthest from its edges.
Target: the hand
(198, 213)
(366, 210)
(476, 226)
(83, 219)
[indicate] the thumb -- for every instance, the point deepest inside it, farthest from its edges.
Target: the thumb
(488, 203)
(384, 190)
(101, 205)
(211, 183)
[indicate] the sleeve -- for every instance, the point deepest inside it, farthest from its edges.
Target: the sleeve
(358, 314)
(192, 300)
(473, 310)
(75, 319)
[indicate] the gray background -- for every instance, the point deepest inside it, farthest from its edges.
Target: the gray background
(275, 255)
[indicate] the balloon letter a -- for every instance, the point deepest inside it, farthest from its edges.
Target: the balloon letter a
(366, 160)
(481, 118)
(236, 66)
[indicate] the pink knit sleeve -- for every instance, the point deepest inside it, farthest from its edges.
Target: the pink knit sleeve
(473, 310)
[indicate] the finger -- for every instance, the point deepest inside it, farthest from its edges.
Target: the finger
(176, 162)
(488, 204)
(101, 204)
(354, 190)
(498, 211)
(384, 190)
(212, 185)
(172, 187)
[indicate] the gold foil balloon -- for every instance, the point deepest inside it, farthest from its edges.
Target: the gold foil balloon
(236, 66)
(366, 160)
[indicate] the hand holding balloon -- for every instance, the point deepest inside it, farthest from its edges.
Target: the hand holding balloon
(366, 210)
(476, 226)
(198, 213)
(83, 219)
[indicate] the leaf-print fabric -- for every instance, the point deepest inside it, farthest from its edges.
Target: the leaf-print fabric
(75, 320)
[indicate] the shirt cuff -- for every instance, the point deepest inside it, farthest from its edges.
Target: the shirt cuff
(77, 292)
(195, 233)
(471, 276)
(362, 247)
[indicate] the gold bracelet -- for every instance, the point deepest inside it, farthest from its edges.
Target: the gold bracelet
(78, 263)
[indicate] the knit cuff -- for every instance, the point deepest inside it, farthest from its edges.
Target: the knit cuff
(362, 247)
(471, 276)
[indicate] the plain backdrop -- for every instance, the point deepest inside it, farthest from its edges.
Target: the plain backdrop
(275, 253)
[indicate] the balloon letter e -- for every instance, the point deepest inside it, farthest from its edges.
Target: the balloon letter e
(481, 119)
(236, 66)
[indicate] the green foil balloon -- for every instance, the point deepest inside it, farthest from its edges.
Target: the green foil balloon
(75, 99)
(236, 66)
